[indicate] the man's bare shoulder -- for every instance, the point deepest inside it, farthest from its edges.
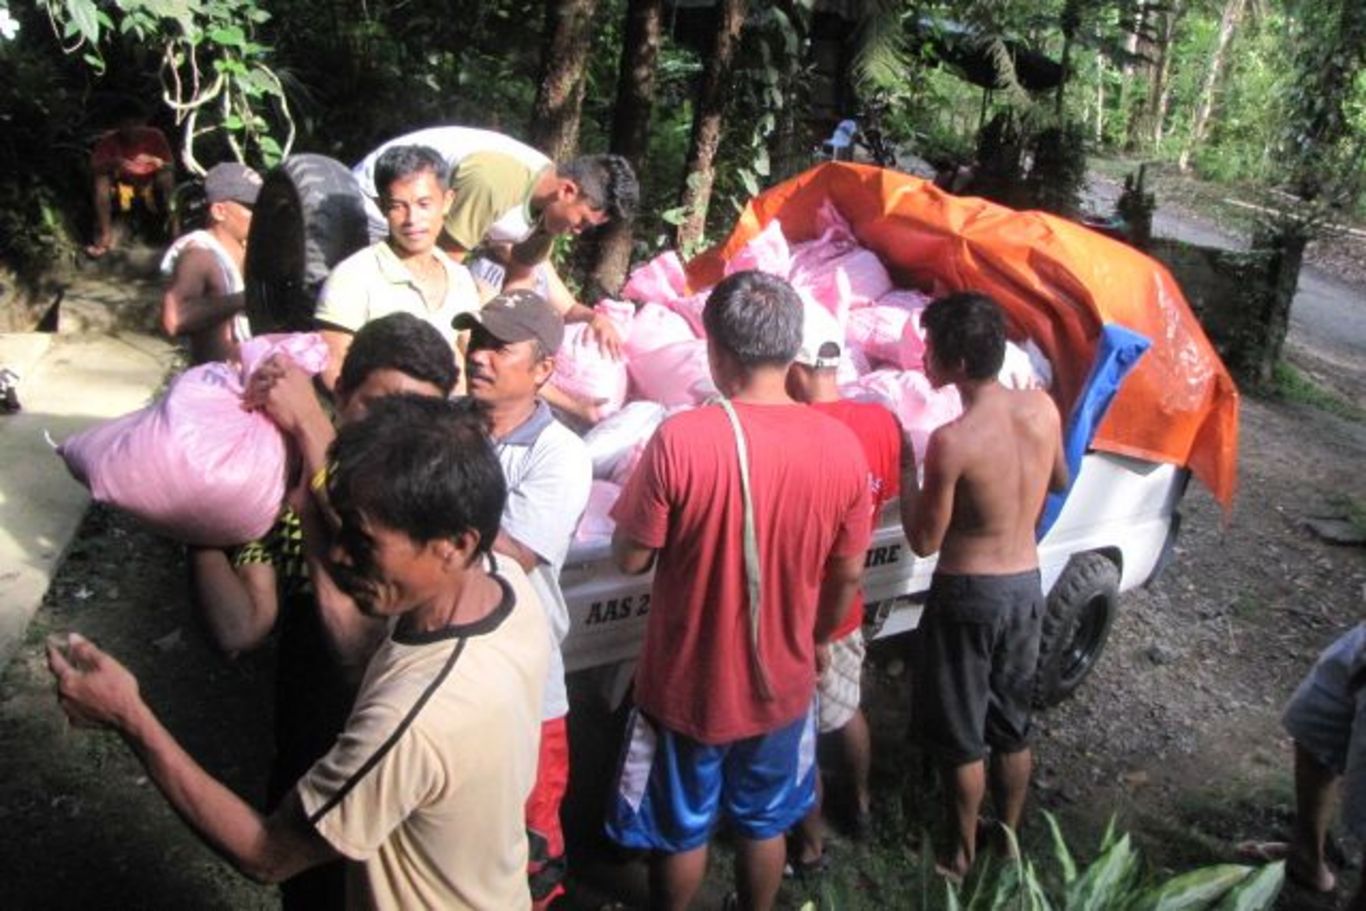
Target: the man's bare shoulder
(1036, 405)
(948, 440)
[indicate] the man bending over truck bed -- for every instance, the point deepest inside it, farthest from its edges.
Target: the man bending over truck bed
(985, 478)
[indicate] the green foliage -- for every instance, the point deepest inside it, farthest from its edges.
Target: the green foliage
(1291, 385)
(216, 77)
(1114, 881)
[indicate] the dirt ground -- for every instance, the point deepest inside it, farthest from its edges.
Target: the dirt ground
(1176, 733)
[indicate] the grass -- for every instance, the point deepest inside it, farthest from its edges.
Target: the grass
(1289, 384)
(1354, 510)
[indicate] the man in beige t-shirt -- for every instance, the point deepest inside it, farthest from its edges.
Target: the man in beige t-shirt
(426, 785)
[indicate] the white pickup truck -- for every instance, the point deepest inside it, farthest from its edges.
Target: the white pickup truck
(1115, 533)
(1119, 523)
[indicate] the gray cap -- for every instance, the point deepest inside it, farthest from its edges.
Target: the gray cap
(232, 181)
(517, 316)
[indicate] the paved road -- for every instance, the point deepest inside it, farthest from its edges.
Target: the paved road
(1328, 315)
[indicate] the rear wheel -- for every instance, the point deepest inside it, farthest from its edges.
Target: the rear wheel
(1076, 625)
(309, 217)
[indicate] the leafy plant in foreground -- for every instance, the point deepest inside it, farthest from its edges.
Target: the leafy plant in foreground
(1114, 881)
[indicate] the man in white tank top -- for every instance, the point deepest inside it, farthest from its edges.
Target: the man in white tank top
(204, 300)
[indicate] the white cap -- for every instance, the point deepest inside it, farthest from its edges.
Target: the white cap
(822, 338)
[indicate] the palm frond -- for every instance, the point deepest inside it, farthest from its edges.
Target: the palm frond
(881, 58)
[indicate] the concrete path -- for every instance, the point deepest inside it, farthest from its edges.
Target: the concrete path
(97, 367)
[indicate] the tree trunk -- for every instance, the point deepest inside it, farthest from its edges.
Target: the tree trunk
(700, 172)
(1060, 96)
(1327, 74)
(1160, 92)
(554, 127)
(1140, 120)
(1100, 98)
(1204, 106)
(630, 128)
(1070, 21)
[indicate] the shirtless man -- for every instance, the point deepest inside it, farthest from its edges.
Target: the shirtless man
(985, 478)
(204, 300)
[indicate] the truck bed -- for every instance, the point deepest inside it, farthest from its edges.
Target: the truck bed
(1122, 507)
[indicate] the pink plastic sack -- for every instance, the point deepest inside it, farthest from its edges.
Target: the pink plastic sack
(626, 464)
(905, 299)
(194, 465)
(853, 365)
(596, 525)
(613, 438)
(661, 279)
(835, 238)
(767, 252)
(911, 351)
(584, 371)
(676, 374)
(908, 394)
(853, 279)
(655, 326)
(690, 308)
(877, 330)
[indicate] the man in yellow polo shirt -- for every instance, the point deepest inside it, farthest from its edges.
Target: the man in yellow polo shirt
(406, 272)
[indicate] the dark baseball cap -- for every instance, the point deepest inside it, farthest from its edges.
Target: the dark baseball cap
(517, 316)
(232, 181)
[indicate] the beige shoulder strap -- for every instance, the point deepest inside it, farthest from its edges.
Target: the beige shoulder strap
(754, 581)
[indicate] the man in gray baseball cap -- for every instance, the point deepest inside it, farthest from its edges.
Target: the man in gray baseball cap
(233, 182)
(516, 316)
(204, 300)
(510, 357)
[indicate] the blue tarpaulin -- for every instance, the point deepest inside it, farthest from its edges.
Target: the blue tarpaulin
(1117, 351)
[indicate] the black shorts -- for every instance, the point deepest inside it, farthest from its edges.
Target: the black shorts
(979, 652)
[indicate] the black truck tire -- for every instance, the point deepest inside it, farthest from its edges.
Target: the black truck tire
(309, 217)
(1076, 624)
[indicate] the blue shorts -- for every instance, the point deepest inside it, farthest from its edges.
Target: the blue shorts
(671, 789)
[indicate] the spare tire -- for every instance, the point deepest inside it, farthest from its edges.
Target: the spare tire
(308, 217)
(1076, 624)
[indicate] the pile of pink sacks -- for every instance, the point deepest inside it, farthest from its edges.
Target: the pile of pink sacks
(664, 368)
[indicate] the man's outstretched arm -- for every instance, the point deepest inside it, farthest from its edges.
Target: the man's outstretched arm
(96, 690)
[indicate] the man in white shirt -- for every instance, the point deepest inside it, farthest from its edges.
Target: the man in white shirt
(407, 272)
(511, 352)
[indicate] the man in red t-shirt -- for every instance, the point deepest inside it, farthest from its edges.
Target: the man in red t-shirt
(812, 378)
(131, 153)
(754, 511)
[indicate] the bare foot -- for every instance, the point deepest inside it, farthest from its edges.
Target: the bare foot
(96, 250)
(1314, 876)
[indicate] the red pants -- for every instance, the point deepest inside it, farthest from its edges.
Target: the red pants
(546, 867)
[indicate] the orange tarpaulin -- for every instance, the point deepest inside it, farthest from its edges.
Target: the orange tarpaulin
(1058, 282)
